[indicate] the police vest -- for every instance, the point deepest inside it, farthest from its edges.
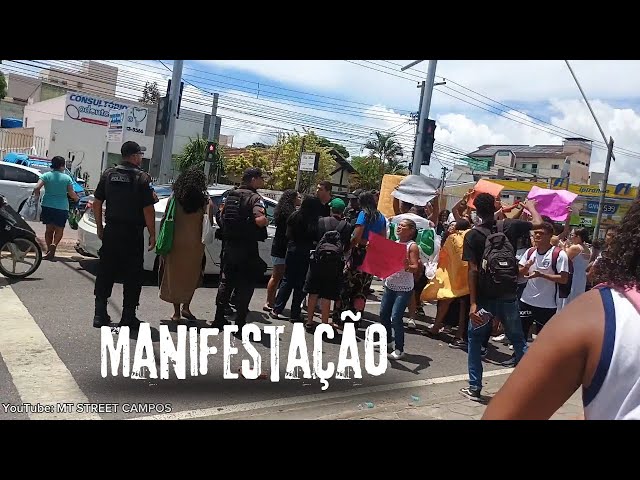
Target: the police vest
(123, 195)
(238, 221)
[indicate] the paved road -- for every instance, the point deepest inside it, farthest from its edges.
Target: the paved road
(50, 351)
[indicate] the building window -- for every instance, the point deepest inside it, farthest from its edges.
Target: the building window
(555, 167)
(534, 167)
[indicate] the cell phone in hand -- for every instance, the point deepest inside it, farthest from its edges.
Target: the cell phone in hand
(485, 316)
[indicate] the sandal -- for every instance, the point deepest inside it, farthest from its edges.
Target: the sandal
(175, 319)
(430, 334)
(188, 315)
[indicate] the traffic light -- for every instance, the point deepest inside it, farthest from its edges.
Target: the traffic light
(162, 119)
(210, 153)
(428, 139)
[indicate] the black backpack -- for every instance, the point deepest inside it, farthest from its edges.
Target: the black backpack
(499, 268)
(237, 217)
(330, 247)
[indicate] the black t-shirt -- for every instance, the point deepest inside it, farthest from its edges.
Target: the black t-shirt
(127, 191)
(474, 242)
(300, 233)
(279, 245)
(325, 210)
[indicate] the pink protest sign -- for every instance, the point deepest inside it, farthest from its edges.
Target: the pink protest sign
(552, 203)
(384, 257)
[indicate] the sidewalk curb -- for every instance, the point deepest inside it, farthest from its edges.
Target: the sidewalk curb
(67, 246)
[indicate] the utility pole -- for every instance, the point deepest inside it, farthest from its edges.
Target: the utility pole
(425, 105)
(174, 97)
(610, 155)
(415, 137)
(212, 129)
(603, 188)
(299, 160)
(443, 180)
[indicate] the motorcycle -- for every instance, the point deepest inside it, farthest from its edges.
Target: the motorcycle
(20, 252)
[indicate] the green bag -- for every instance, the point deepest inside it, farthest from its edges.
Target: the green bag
(164, 242)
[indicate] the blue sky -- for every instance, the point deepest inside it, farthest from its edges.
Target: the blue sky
(325, 95)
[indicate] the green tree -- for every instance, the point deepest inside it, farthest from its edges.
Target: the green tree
(3, 86)
(340, 148)
(284, 158)
(254, 157)
(385, 147)
(193, 154)
(150, 94)
(258, 145)
(371, 171)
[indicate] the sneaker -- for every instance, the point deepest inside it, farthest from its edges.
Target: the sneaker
(395, 355)
(509, 363)
(471, 394)
(499, 338)
(277, 316)
(411, 323)
(460, 344)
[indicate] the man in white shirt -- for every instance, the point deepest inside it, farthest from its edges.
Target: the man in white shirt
(544, 268)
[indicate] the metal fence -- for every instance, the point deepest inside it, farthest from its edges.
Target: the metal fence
(21, 142)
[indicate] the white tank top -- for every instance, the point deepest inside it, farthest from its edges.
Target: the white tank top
(614, 393)
(401, 281)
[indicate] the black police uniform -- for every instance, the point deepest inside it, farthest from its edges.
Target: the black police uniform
(127, 191)
(241, 262)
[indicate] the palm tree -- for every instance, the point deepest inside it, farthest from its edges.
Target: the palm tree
(193, 155)
(385, 146)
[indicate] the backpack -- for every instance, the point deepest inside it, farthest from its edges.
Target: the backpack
(237, 217)
(330, 247)
(563, 290)
(499, 269)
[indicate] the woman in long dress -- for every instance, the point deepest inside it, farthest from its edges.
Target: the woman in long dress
(181, 269)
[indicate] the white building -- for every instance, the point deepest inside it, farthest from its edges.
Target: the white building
(74, 126)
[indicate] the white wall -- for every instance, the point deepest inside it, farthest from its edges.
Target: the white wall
(189, 124)
(47, 110)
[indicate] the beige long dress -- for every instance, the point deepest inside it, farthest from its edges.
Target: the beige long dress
(181, 269)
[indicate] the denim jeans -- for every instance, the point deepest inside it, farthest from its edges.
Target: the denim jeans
(295, 273)
(392, 307)
(509, 313)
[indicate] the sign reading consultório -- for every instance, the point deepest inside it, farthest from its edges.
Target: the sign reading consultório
(96, 110)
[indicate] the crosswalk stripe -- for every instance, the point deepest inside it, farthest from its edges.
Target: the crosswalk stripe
(38, 373)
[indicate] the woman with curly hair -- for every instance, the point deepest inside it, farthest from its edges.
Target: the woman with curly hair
(592, 343)
(182, 268)
(286, 206)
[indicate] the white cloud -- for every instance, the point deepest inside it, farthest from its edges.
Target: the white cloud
(623, 124)
(543, 88)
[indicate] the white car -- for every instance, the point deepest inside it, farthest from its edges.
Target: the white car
(17, 183)
(89, 243)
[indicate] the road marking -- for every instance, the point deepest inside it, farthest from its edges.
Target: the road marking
(302, 399)
(38, 373)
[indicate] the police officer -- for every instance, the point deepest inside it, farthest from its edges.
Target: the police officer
(244, 224)
(129, 196)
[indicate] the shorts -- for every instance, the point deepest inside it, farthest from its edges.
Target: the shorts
(325, 279)
(418, 286)
(277, 261)
(54, 216)
(530, 314)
